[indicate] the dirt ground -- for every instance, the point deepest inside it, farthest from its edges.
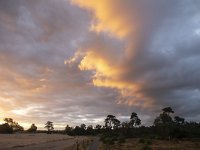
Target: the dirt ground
(64, 142)
(42, 142)
(133, 144)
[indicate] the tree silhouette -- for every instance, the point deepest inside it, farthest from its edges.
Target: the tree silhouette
(6, 128)
(134, 120)
(167, 110)
(33, 128)
(164, 118)
(116, 123)
(90, 130)
(164, 123)
(9, 121)
(68, 129)
(164, 128)
(79, 131)
(125, 124)
(89, 127)
(49, 126)
(83, 126)
(98, 127)
(179, 120)
(109, 121)
(14, 125)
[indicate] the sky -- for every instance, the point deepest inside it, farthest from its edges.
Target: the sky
(76, 61)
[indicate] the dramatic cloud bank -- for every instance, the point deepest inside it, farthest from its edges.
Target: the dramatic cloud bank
(74, 61)
(158, 62)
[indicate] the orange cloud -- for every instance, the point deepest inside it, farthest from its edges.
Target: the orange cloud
(107, 17)
(114, 18)
(105, 74)
(92, 61)
(110, 74)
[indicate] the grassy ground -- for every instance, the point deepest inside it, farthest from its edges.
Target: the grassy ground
(136, 144)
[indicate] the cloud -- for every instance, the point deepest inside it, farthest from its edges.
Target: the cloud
(74, 61)
(158, 62)
(36, 39)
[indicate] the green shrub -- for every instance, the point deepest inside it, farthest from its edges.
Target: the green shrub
(121, 140)
(146, 147)
(149, 142)
(114, 138)
(141, 141)
(111, 141)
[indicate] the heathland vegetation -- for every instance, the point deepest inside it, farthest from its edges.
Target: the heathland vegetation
(165, 127)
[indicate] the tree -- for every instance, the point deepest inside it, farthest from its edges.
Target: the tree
(83, 126)
(134, 120)
(89, 127)
(178, 120)
(33, 128)
(164, 123)
(167, 110)
(125, 124)
(14, 125)
(68, 129)
(116, 123)
(17, 128)
(109, 121)
(98, 127)
(164, 118)
(79, 131)
(9, 121)
(6, 129)
(90, 130)
(49, 126)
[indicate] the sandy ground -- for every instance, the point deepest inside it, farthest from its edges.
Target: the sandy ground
(39, 142)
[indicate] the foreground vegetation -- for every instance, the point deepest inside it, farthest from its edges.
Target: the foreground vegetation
(152, 144)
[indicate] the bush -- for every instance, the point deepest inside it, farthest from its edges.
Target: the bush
(146, 147)
(111, 141)
(141, 141)
(108, 140)
(149, 142)
(178, 133)
(6, 129)
(102, 138)
(121, 140)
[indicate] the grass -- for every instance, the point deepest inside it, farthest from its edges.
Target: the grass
(149, 144)
(82, 144)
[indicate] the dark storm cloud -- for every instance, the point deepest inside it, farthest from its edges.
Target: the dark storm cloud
(160, 63)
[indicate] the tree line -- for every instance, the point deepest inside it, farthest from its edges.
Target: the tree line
(165, 127)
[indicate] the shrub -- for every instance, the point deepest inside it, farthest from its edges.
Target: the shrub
(5, 128)
(121, 140)
(141, 141)
(111, 141)
(149, 142)
(146, 147)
